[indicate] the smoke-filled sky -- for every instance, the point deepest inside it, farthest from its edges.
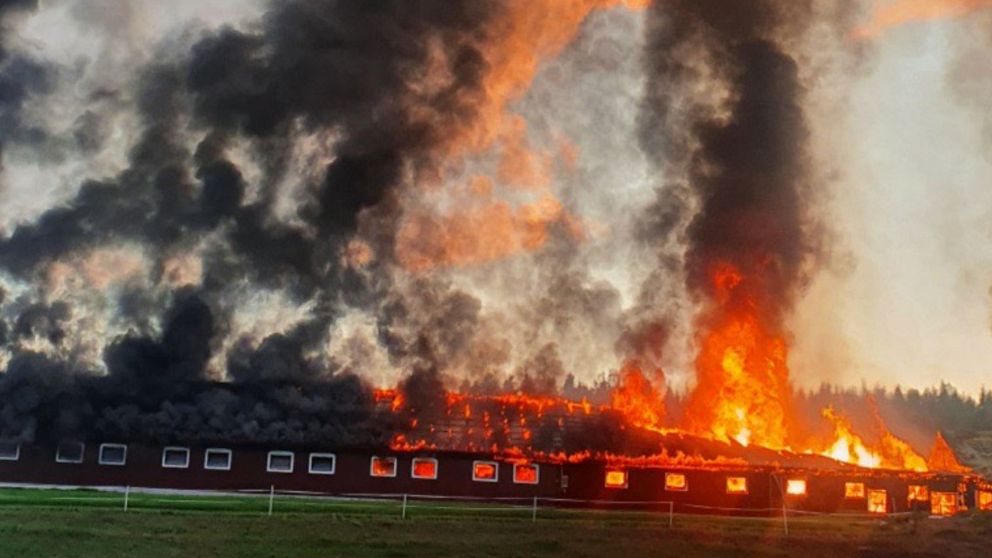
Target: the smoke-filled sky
(246, 189)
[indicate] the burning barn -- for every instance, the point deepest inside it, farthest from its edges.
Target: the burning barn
(277, 215)
(460, 455)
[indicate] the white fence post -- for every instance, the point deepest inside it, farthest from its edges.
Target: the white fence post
(272, 497)
(403, 513)
(127, 494)
(533, 517)
(671, 514)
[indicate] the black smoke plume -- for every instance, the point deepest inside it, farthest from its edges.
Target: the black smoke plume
(306, 67)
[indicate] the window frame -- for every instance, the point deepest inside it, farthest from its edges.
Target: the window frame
(746, 490)
(796, 482)
(937, 497)
(101, 461)
(537, 473)
(413, 468)
(82, 454)
(983, 495)
(685, 484)
(334, 463)
(626, 479)
(225, 451)
(922, 490)
(280, 453)
(396, 466)
(15, 457)
(864, 490)
(870, 501)
(478, 462)
(165, 452)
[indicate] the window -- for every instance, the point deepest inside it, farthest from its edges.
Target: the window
(736, 485)
(943, 503)
(9, 451)
(280, 462)
(70, 452)
(616, 479)
(382, 466)
(112, 454)
(485, 471)
(985, 500)
(423, 468)
(854, 490)
(175, 458)
(878, 501)
(795, 487)
(918, 493)
(322, 463)
(526, 473)
(217, 459)
(676, 482)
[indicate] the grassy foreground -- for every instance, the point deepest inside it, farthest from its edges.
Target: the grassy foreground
(82, 524)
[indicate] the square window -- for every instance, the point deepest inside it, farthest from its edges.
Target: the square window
(795, 487)
(526, 473)
(919, 493)
(943, 503)
(216, 459)
(322, 463)
(280, 462)
(878, 501)
(485, 471)
(112, 454)
(423, 468)
(985, 500)
(9, 451)
(854, 490)
(676, 482)
(70, 452)
(616, 479)
(736, 485)
(382, 466)
(175, 458)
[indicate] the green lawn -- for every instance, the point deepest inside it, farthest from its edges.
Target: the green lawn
(82, 524)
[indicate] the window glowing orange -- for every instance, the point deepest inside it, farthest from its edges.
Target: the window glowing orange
(424, 468)
(525, 473)
(854, 490)
(383, 466)
(736, 485)
(676, 482)
(616, 479)
(985, 500)
(919, 493)
(485, 471)
(878, 501)
(795, 487)
(943, 503)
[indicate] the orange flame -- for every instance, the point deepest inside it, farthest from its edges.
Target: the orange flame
(848, 446)
(742, 389)
(637, 398)
(895, 452)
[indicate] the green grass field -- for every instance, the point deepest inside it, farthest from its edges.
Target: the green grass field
(83, 524)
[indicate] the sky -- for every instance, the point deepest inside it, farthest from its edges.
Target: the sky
(901, 296)
(909, 301)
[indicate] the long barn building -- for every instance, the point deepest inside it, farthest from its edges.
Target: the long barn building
(725, 489)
